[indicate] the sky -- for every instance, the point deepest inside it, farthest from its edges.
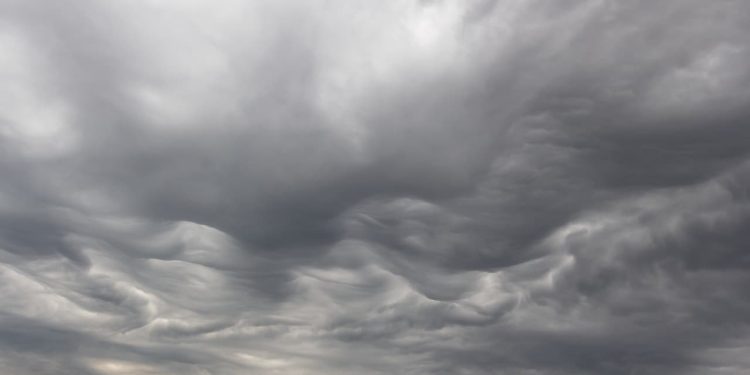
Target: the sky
(416, 187)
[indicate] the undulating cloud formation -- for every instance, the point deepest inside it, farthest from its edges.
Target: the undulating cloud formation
(546, 187)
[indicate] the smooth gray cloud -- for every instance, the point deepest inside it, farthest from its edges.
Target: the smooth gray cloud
(394, 187)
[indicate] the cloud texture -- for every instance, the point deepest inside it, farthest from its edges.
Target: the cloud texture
(375, 187)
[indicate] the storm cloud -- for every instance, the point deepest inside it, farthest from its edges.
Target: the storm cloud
(375, 187)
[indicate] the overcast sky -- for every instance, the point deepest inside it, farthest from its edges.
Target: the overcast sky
(335, 187)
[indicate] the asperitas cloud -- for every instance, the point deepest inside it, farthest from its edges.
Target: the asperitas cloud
(375, 187)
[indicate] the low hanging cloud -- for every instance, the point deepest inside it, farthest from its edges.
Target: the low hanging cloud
(392, 187)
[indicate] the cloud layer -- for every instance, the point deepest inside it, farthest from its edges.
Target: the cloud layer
(391, 187)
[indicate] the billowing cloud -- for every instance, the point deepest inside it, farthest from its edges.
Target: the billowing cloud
(393, 187)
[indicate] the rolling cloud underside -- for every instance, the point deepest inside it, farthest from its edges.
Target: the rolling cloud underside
(391, 187)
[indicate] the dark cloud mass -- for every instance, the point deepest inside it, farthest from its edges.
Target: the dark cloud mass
(230, 187)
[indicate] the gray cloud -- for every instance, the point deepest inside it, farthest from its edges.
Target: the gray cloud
(408, 187)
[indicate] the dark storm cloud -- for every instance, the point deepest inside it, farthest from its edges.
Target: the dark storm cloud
(417, 187)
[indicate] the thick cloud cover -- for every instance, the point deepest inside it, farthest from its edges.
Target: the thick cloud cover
(375, 187)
